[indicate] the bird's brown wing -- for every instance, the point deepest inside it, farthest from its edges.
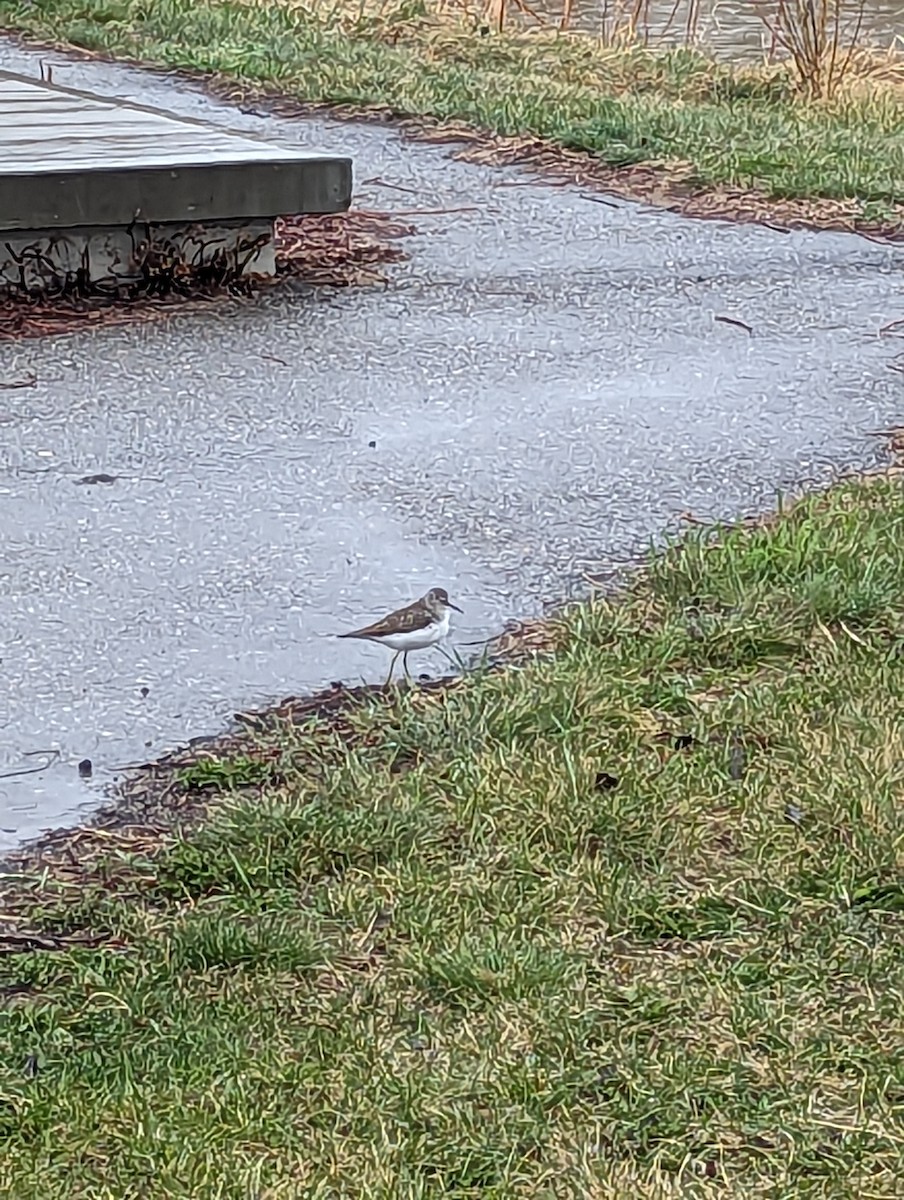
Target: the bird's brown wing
(403, 620)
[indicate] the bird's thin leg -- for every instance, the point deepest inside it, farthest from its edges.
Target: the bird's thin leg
(405, 666)
(391, 668)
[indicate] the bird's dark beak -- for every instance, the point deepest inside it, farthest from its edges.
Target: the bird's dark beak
(455, 606)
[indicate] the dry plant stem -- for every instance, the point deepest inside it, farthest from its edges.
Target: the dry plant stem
(630, 22)
(497, 10)
(812, 33)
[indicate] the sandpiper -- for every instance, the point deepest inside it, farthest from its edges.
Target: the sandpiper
(415, 627)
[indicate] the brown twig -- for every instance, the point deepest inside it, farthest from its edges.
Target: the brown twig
(52, 757)
(23, 943)
(600, 200)
(734, 321)
(397, 187)
(30, 381)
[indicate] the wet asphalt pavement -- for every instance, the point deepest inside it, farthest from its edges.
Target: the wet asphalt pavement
(546, 389)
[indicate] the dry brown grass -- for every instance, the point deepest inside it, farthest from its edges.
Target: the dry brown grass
(619, 23)
(820, 39)
(869, 71)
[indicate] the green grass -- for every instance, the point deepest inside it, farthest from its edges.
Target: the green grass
(681, 113)
(626, 921)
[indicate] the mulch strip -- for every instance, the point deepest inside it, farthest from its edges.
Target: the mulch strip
(670, 186)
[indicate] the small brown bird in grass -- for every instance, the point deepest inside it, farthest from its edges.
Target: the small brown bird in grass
(416, 627)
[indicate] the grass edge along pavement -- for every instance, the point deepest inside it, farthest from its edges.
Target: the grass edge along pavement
(624, 919)
(673, 128)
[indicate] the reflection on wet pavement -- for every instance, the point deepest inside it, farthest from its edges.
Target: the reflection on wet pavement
(539, 391)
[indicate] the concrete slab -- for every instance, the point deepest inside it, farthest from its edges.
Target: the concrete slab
(71, 159)
(103, 192)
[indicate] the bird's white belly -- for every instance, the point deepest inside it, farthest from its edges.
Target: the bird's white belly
(418, 639)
